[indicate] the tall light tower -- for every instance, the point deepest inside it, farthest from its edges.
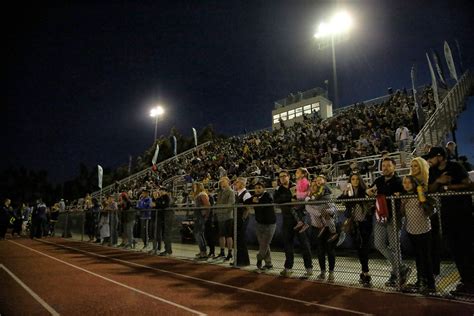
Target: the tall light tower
(156, 112)
(331, 33)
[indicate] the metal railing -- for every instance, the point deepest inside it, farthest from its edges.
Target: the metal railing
(109, 189)
(443, 120)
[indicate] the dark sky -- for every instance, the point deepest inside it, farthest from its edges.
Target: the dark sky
(81, 76)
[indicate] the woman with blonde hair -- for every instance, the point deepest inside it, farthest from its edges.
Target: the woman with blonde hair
(419, 168)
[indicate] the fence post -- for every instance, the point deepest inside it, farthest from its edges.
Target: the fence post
(234, 215)
(83, 224)
(398, 256)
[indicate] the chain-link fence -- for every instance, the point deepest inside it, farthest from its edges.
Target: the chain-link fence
(413, 247)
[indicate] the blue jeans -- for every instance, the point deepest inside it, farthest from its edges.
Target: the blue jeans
(387, 242)
(199, 227)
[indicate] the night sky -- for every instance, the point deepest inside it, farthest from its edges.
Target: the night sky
(81, 76)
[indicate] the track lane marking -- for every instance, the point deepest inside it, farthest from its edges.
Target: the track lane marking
(113, 281)
(307, 303)
(30, 291)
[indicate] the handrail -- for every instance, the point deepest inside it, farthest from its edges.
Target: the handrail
(444, 117)
(108, 188)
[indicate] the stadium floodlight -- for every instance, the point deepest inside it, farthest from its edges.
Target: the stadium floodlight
(340, 23)
(328, 33)
(156, 112)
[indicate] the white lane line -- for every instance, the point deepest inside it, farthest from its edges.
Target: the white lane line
(113, 281)
(307, 303)
(30, 291)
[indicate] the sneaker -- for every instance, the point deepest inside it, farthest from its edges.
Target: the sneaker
(259, 263)
(308, 273)
(298, 225)
(267, 267)
(404, 275)
(211, 255)
(322, 276)
(331, 276)
(365, 279)
(221, 256)
(392, 281)
(286, 272)
(229, 256)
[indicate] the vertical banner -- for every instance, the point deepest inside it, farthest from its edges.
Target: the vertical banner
(439, 70)
(129, 164)
(460, 56)
(175, 146)
(419, 111)
(195, 137)
(155, 156)
(100, 173)
(434, 84)
(450, 61)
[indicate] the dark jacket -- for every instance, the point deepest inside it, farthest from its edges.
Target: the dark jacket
(284, 195)
(388, 188)
(263, 214)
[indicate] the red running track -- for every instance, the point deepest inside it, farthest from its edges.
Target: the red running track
(74, 278)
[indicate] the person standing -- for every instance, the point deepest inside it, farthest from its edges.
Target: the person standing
(241, 196)
(283, 194)
(4, 218)
(266, 224)
(128, 220)
(456, 213)
(38, 218)
(360, 217)
(226, 199)
(201, 200)
(168, 219)
(144, 205)
(387, 230)
(401, 137)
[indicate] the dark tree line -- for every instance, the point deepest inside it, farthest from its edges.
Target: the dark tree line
(25, 186)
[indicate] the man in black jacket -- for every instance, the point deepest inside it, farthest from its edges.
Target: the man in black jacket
(266, 224)
(283, 194)
(387, 230)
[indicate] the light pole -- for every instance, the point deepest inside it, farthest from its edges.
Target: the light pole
(156, 112)
(330, 33)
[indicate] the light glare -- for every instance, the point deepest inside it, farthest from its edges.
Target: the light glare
(157, 111)
(340, 23)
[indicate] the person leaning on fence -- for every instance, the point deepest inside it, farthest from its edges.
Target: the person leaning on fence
(265, 226)
(302, 191)
(4, 218)
(201, 200)
(112, 209)
(242, 195)
(225, 198)
(283, 194)
(456, 213)
(420, 169)
(144, 205)
(324, 226)
(359, 222)
(104, 225)
(128, 220)
(387, 230)
(163, 203)
(418, 227)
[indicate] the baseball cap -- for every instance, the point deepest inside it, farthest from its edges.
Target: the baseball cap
(435, 151)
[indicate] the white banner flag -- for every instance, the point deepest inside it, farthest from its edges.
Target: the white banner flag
(175, 146)
(450, 61)
(195, 137)
(434, 84)
(419, 111)
(100, 172)
(155, 156)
